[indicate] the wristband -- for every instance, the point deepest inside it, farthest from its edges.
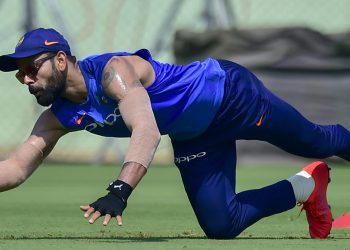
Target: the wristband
(120, 189)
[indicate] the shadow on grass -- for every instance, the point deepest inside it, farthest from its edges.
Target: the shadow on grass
(125, 239)
(141, 238)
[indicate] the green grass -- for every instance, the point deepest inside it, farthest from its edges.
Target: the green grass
(44, 213)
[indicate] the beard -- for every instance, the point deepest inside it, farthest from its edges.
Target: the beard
(54, 87)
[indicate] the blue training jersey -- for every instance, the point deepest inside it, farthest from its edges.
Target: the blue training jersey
(185, 99)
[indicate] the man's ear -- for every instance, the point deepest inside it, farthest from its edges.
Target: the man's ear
(62, 61)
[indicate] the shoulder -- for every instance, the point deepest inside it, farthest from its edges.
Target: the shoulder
(132, 63)
(94, 65)
(103, 59)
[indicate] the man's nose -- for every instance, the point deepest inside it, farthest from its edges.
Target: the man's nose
(27, 80)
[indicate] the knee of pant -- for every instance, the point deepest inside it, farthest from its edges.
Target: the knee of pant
(219, 231)
(215, 213)
(314, 147)
(327, 140)
(219, 226)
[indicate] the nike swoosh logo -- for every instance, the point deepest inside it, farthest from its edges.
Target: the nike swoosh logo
(79, 121)
(258, 123)
(47, 43)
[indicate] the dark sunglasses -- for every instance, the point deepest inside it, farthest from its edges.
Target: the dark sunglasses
(32, 68)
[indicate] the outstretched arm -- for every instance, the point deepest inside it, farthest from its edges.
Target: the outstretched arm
(123, 80)
(26, 159)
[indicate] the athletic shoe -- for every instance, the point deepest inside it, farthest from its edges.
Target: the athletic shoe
(318, 212)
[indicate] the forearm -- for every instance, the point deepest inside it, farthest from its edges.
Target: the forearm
(132, 173)
(19, 166)
(137, 114)
(142, 146)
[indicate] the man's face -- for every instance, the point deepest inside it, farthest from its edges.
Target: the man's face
(43, 79)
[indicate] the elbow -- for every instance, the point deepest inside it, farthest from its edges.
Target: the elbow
(12, 182)
(11, 177)
(151, 135)
(20, 178)
(16, 179)
(19, 174)
(157, 140)
(150, 132)
(155, 135)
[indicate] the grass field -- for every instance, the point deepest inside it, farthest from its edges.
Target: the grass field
(44, 213)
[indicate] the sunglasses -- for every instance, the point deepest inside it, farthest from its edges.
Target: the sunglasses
(32, 68)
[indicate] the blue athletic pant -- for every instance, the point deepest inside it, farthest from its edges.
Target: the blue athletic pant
(208, 163)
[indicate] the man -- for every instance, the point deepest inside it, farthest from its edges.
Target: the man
(204, 107)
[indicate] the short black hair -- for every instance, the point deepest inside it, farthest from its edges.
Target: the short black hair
(72, 59)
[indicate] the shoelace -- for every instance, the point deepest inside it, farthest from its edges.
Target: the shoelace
(302, 208)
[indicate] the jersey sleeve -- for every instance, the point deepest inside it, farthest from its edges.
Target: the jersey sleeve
(96, 64)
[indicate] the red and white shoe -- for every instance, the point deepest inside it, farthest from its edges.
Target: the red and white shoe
(318, 212)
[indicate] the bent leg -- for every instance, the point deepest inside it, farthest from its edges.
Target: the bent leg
(208, 174)
(286, 128)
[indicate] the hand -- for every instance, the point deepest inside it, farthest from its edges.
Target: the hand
(110, 205)
(89, 210)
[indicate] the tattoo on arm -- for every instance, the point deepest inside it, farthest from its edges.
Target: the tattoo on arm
(136, 84)
(121, 82)
(112, 74)
(115, 85)
(108, 77)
